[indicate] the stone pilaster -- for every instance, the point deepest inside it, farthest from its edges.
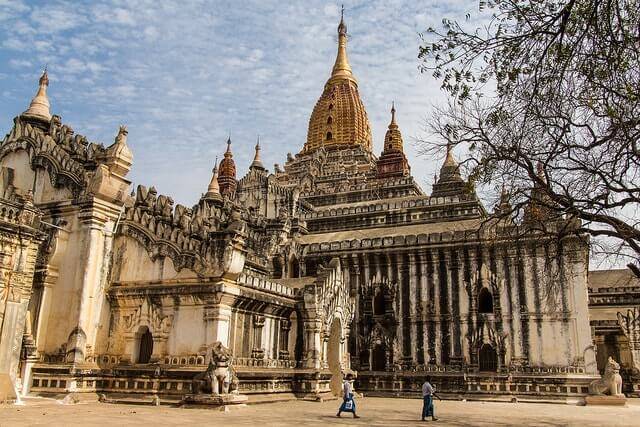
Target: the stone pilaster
(258, 349)
(413, 316)
(217, 320)
(312, 344)
(285, 328)
(437, 350)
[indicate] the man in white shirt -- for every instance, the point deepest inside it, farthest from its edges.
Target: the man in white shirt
(348, 404)
(428, 390)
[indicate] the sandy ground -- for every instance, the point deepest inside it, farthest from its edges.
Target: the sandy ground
(373, 412)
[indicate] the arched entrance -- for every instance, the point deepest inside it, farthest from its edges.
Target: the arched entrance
(145, 345)
(488, 358)
(334, 356)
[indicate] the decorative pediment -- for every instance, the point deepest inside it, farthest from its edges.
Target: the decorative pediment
(151, 315)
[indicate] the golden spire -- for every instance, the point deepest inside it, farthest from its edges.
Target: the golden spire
(393, 137)
(342, 69)
(450, 160)
(39, 107)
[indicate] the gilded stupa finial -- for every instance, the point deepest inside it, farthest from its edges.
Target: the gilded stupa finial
(341, 68)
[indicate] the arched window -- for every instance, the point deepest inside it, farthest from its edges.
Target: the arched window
(329, 136)
(145, 346)
(488, 358)
(329, 120)
(330, 107)
(485, 301)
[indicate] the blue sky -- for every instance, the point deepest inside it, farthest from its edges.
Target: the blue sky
(183, 76)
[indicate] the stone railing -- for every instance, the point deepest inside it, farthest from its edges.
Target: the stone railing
(188, 360)
(547, 370)
(265, 285)
(250, 362)
(19, 212)
(615, 290)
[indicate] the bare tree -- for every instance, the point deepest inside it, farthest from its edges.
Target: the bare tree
(545, 98)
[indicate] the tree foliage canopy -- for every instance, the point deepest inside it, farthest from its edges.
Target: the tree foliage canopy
(546, 95)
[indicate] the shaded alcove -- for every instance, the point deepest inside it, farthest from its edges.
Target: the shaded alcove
(145, 345)
(485, 301)
(488, 358)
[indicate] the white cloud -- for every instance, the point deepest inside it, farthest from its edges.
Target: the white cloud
(20, 63)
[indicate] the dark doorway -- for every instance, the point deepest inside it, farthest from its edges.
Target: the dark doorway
(485, 301)
(146, 346)
(379, 358)
(488, 358)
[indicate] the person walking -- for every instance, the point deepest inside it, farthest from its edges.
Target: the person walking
(428, 392)
(348, 404)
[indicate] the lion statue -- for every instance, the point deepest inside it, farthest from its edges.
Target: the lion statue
(219, 378)
(611, 381)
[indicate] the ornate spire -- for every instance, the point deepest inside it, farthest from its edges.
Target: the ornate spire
(39, 107)
(257, 162)
(504, 206)
(228, 146)
(450, 160)
(341, 68)
(227, 177)
(450, 182)
(339, 119)
(393, 162)
(393, 115)
(214, 187)
(393, 137)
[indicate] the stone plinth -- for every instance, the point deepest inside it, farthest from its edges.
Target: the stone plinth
(221, 402)
(604, 400)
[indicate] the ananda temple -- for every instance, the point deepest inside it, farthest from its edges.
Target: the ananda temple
(336, 261)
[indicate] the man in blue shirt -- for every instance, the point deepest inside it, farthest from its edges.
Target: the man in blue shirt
(428, 390)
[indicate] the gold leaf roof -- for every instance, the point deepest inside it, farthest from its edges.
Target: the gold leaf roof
(339, 118)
